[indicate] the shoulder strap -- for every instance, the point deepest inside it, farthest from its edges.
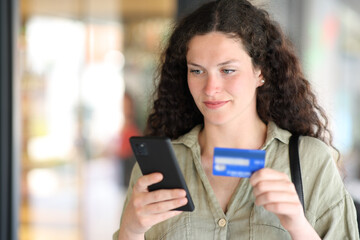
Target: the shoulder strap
(295, 167)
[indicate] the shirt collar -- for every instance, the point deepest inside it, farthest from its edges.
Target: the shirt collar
(273, 132)
(191, 138)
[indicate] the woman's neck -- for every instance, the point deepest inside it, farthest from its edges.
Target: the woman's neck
(244, 135)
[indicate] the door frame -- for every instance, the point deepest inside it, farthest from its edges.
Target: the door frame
(9, 163)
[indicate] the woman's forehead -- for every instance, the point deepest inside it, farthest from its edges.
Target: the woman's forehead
(215, 43)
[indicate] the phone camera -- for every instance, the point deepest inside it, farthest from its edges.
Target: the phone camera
(141, 149)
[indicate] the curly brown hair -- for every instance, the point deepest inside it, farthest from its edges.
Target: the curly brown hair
(286, 97)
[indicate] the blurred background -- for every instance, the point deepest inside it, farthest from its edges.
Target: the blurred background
(84, 75)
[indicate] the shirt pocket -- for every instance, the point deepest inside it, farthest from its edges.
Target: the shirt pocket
(266, 225)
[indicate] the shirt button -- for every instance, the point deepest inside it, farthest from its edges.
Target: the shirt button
(222, 222)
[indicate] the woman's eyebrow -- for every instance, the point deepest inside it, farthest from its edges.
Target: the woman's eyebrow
(194, 64)
(220, 64)
(228, 62)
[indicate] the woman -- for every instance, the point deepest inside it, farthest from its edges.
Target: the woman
(229, 79)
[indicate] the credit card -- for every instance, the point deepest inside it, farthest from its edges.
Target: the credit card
(234, 162)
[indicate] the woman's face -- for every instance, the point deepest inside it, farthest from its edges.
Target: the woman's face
(222, 79)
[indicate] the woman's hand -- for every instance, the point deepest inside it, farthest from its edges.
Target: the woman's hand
(146, 209)
(276, 193)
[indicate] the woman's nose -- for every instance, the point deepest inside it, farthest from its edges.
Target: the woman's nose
(212, 85)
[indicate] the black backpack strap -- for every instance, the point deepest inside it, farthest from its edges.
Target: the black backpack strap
(295, 167)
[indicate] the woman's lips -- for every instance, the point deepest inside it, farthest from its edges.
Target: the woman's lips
(215, 104)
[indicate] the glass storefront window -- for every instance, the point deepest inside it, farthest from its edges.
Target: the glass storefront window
(87, 70)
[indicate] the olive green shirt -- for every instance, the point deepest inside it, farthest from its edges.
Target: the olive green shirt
(329, 207)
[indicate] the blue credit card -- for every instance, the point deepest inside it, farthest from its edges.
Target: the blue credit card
(234, 162)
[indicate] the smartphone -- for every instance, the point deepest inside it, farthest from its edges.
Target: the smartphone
(155, 154)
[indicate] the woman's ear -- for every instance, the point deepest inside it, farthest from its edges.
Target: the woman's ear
(259, 77)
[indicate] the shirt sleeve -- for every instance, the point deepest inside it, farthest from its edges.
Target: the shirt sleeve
(330, 206)
(338, 222)
(116, 235)
(135, 175)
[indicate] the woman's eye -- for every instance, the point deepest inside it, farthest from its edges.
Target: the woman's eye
(196, 71)
(228, 71)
